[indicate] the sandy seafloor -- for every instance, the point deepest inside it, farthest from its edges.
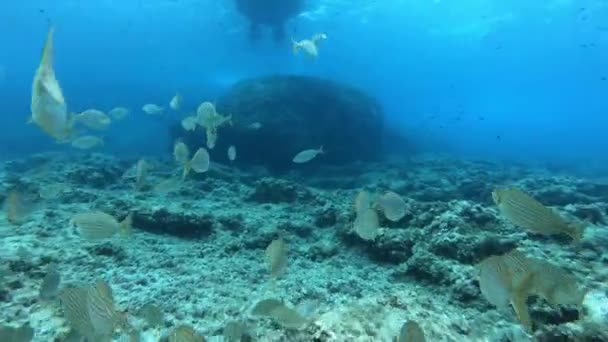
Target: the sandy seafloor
(198, 251)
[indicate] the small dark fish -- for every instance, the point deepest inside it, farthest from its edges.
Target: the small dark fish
(498, 137)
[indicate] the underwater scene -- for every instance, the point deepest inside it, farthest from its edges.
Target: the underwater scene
(304, 170)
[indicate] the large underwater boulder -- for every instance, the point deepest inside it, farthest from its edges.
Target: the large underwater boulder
(295, 113)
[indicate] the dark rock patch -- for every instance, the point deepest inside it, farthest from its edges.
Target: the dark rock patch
(296, 113)
(181, 224)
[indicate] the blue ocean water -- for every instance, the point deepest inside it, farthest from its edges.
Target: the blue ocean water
(369, 171)
(454, 75)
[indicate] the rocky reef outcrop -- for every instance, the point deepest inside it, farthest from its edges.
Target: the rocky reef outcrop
(276, 117)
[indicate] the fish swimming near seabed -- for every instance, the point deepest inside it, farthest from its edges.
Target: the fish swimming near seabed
(307, 155)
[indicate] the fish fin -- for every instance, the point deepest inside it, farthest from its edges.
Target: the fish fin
(318, 37)
(62, 141)
(576, 231)
(579, 306)
(518, 301)
(68, 131)
(52, 88)
(187, 168)
(71, 119)
(295, 46)
(126, 224)
(496, 196)
(321, 150)
(47, 52)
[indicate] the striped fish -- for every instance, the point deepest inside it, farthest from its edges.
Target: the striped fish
(362, 202)
(17, 208)
(288, 317)
(519, 268)
(98, 225)
(367, 224)
(276, 256)
(524, 211)
(141, 171)
(100, 306)
(200, 161)
(74, 303)
(508, 279)
(495, 281)
(392, 205)
(265, 306)
(557, 286)
(184, 333)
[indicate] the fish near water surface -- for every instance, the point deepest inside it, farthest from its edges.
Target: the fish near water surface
(310, 46)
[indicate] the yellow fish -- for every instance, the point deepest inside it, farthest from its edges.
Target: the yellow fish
(524, 211)
(49, 111)
(310, 46)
